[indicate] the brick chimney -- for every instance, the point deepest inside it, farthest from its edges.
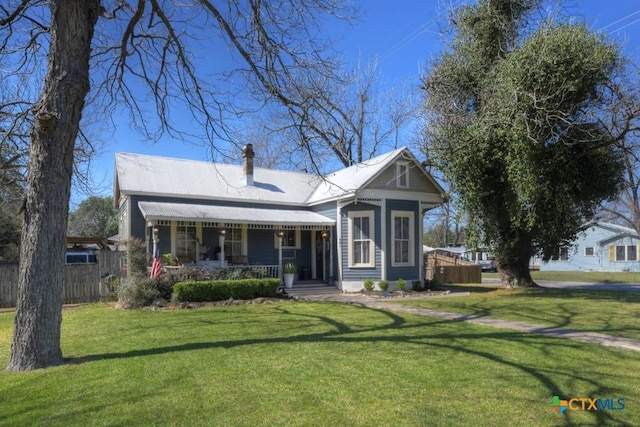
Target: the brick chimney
(247, 156)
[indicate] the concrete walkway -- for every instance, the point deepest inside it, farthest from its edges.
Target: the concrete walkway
(583, 336)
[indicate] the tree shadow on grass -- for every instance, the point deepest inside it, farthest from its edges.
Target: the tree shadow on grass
(407, 332)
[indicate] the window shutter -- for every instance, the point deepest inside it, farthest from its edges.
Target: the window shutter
(612, 253)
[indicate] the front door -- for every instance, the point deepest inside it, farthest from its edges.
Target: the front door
(322, 256)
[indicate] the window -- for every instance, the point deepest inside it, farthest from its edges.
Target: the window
(290, 240)
(402, 173)
(402, 238)
(233, 243)
(562, 255)
(627, 253)
(186, 242)
(361, 239)
(589, 251)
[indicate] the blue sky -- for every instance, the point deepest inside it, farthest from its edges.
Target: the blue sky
(403, 35)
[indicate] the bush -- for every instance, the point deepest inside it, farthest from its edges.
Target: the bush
(368, 285)
(434, 283)
(139, 291)
(219, 290)
(137, 258)
(249, 272)
(417, 285)
(401, 284)
(383, 285)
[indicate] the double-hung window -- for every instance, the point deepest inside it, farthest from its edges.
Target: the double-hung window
(402, 237)
(626, 253)
(361, 239)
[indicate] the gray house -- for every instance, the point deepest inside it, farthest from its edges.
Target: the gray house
(364, 221)
(600, 247)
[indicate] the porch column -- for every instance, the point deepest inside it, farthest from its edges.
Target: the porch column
(280, 235)
(325, 234)
(223, 233)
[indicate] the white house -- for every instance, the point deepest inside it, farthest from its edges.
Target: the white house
(600, 247)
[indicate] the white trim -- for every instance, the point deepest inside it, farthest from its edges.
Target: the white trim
(284, 247)
(370, 214)
(383, 240)
(314, 256)
(174, 237)
(399, 166)
(403, 214)
(339, 253)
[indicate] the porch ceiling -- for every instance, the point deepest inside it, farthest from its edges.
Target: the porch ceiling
(227, 214)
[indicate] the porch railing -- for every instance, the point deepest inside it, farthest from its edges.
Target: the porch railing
(195, 272)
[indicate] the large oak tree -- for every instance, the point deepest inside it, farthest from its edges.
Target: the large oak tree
(123, 53)
(519, 121)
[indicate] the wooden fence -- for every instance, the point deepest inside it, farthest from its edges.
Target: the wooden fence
(452, 270)
(81, 283)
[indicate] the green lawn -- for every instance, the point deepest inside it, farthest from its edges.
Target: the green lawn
(295, 363)
(580, 276)
(613, 313)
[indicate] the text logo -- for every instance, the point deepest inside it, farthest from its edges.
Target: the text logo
(587, 404)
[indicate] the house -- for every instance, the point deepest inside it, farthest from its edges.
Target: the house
(363, 221)
(600, 247)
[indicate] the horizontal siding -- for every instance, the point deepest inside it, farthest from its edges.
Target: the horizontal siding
(599, 238)
(418, 182)
(408, 273)
(355, 274)
(328, 209)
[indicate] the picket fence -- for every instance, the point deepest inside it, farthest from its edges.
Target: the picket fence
(81, 284)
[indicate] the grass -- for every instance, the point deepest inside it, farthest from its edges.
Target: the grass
(580, 276)
(608, 312)
(296, 363)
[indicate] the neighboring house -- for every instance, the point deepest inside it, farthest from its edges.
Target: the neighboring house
(600, 247)
(364, 221)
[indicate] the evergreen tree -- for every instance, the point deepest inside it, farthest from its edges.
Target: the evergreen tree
(514, 109)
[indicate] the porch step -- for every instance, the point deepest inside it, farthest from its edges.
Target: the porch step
(312, 288)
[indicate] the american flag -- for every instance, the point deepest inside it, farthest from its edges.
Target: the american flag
(156, 267)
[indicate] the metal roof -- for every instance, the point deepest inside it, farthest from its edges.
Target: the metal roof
(153, 175)
(189, 179)
(226, 214)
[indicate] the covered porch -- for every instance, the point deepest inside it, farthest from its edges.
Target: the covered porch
(210, 237)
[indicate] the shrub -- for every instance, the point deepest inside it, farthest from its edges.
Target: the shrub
(368, 285)
(219, 290)
(383, 285)
(401, 284)
(417, 285)
(434, 283)
(137, 258)
(140, 291)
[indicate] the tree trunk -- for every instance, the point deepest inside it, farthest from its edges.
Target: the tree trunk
(514, 269)
(36, 339)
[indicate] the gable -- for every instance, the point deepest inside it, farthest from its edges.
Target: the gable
(377, 173)
(387, 179)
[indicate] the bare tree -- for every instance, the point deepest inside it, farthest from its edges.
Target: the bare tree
(624, 121)
(347, 120)
(122, 53)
